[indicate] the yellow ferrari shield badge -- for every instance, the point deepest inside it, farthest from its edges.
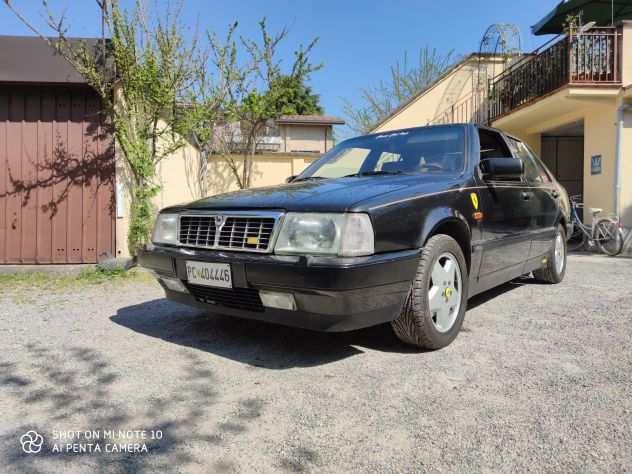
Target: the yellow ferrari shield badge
(474, 198)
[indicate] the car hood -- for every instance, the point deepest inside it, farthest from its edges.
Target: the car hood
(328, 195)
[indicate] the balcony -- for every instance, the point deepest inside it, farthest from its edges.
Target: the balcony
(591, 59)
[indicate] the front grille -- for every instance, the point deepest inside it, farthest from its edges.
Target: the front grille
(238, 298)
(197, 231)
(248, 233)
(244, 233)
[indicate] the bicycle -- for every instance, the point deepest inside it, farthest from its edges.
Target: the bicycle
(605, 232)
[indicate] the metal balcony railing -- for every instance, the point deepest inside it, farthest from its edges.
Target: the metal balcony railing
(471, 109)
(592, 58)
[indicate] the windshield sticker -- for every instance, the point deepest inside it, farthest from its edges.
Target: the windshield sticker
(391, 135)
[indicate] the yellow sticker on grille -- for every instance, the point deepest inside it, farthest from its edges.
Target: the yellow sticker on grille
(252, 240)
(474, 198)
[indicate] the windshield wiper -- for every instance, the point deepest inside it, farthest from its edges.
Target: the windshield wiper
(373, 173)
(307, 178)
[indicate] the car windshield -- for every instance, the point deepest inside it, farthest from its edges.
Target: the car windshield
(439, 149)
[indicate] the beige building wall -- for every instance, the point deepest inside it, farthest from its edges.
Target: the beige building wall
(600, 133)
(452, 89)
(597, 108)
(179, 180)
(305, 138)
(268, 169)
(599, 139)
(179, 183)
(626, 167)
(626, 136)
(599, 118)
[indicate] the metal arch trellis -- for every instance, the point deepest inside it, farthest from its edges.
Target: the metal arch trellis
(501, 43)
(500, 40)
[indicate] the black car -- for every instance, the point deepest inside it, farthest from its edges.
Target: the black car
(400, 227)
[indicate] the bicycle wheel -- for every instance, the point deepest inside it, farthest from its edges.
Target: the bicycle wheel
(608, 236)
(577, 241)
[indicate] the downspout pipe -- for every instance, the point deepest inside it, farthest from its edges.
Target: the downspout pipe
(619, 157)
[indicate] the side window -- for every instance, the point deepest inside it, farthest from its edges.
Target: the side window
(533, 172)
(545, 173)
(492, 145)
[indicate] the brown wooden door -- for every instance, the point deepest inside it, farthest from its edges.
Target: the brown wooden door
(56, 176)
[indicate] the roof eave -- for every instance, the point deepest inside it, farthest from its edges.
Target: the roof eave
(310, 122)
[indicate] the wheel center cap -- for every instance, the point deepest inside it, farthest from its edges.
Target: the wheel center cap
(447, 293)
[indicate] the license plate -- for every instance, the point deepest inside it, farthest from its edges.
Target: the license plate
(209, 274)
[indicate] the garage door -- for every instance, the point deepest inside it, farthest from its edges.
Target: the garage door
(56, 176)
(564, 156)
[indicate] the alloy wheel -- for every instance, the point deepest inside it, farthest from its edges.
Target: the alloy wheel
(444, 292)
(559, 253)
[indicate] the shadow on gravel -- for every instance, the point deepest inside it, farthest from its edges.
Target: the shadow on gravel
(263, 344)
(488, 295)
(252, 342)
(68, 389)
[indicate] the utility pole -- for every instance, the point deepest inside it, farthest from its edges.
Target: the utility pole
(611, 12)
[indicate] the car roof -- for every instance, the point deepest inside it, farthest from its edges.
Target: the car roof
(462, 124)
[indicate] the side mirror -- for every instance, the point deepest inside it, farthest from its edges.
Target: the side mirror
(502, 168)
(290, 179)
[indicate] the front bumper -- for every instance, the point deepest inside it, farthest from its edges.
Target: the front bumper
(332, 294)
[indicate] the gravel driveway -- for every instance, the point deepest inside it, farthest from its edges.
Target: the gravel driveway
(540, 379)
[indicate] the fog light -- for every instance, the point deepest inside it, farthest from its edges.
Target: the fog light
(273, 299)
(173, 284)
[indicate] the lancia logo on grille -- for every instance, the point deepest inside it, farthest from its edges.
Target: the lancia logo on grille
(219, 220)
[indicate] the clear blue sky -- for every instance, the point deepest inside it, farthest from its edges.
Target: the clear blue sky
(358, 39)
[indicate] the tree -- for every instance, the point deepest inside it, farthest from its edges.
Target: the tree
(379, 101)
(153, 70)
(291, 96)
(203, 109)
(255, 92)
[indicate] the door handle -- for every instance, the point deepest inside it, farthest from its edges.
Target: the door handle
(525, 195)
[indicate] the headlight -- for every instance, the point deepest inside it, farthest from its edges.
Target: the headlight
(165, 229)
(346, 235)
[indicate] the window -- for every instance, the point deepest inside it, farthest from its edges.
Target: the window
(534, 173)
(347, 161)
(492, 145)
(385, 158)
(545, 173)
(436, 149)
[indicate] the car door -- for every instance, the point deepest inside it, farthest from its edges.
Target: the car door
(506, 220)
(543, 205)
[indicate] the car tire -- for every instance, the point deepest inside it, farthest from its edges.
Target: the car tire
(555, 268)
(434, 311)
